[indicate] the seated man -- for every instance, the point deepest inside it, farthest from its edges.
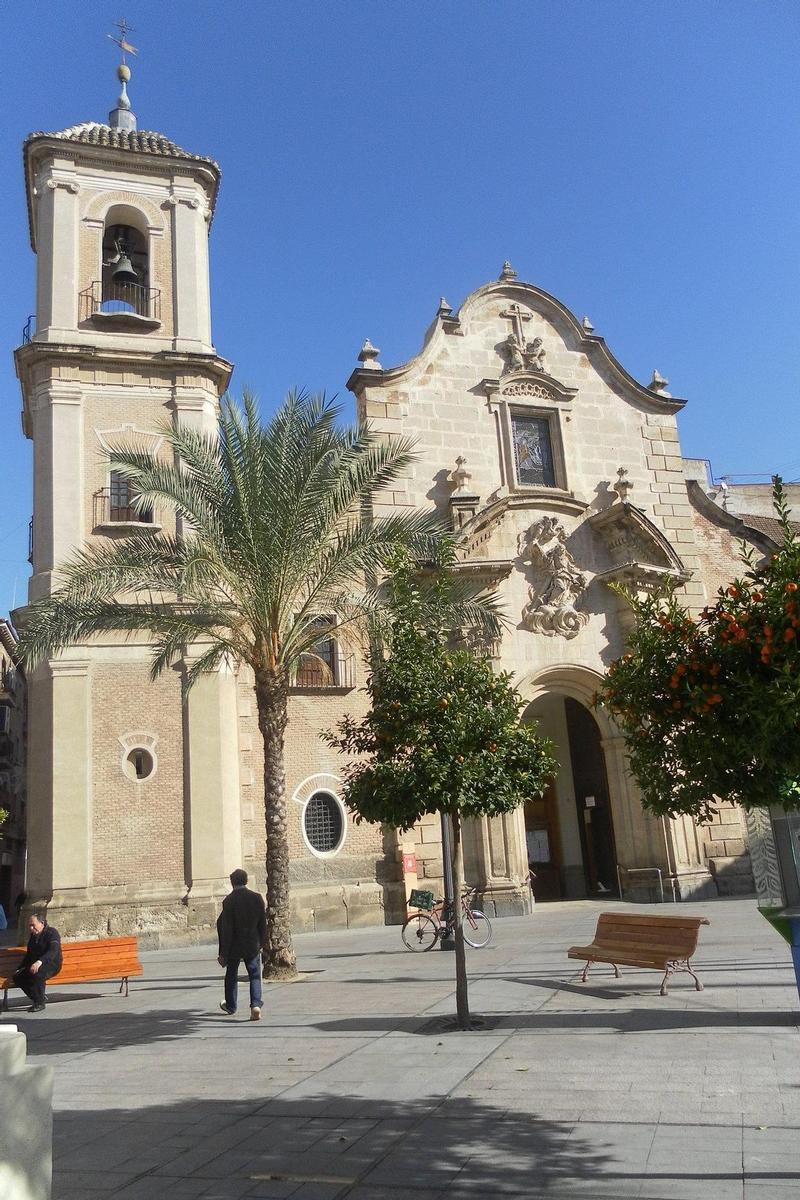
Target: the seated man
(42, 960)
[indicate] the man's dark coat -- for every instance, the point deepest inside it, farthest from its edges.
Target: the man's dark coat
(44, 947)
(242, 925)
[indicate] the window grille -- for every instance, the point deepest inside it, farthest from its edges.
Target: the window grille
(323, 821)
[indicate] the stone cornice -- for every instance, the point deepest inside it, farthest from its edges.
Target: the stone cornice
(591, 344)
(171, 362)
(40, 147)
(719, 516)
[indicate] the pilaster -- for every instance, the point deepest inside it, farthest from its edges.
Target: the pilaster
(60, 825)
(192, 312)
(57, 262)
(211, 781)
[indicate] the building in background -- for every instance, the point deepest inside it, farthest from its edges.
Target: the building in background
(13, 786)
(561, 474)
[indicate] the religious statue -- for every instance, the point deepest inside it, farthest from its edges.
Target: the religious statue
(551, 609)
(522, 355)
(515, 354)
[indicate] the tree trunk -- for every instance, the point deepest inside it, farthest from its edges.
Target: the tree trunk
(462, 996)
(272, 690)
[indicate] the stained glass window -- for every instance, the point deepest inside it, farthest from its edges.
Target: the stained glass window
(533, 451)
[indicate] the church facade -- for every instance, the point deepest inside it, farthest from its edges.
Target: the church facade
(560, 473)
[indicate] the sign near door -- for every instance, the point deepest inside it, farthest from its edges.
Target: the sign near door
(591, 802)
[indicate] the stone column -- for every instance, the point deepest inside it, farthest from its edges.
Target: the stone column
(211, 796)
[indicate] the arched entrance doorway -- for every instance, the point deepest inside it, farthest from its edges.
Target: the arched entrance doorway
(569, 833)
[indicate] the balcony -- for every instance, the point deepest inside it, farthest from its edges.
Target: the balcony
(114, 509)
(120, 306)
(28, 329)
(313, 676)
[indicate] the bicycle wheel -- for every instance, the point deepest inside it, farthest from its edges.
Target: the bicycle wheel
(420, 932)
(477, 930)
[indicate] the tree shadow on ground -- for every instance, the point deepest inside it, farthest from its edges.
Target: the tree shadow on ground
(92, 1032)
(639, 1020)
(341, 1147)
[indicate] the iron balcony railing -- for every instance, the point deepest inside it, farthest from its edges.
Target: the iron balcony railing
(120, 299)
(115, 506)
(29, 329)
(312, 674)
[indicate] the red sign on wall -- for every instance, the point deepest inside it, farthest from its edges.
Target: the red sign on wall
(409, 864)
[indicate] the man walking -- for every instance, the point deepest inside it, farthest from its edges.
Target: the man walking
(242, 930)
(41, 962)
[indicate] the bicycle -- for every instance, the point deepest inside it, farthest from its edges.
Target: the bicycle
(423, 930)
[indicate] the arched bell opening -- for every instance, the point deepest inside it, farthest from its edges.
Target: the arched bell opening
(125, 271)
(569, 833)
(123, 298)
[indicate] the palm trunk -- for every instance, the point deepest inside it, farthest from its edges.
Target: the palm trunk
(272, 692)
(462, 996)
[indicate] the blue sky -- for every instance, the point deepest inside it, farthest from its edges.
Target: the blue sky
(639, 160)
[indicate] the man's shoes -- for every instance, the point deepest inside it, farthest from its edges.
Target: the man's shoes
(228, 1011)
(36, 1008)
(255, 1013)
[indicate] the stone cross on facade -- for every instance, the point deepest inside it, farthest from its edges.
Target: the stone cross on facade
(517, 316)
(521, 355)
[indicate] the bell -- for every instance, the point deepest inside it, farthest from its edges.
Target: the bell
(123, 272)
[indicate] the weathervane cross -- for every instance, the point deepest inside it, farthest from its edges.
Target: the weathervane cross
(124, 45)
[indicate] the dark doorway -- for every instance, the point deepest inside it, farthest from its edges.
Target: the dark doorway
(544, 844)
(592, 800)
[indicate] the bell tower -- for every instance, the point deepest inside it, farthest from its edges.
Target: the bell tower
(133, 795)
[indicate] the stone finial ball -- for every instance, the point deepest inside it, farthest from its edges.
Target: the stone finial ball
(123, 73)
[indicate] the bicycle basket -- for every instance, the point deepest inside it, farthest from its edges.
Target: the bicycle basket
(420, 899)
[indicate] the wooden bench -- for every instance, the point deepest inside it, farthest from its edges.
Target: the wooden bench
(84, 962)
(637, 940)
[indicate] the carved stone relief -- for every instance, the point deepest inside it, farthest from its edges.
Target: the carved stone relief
(764, 858)
(535, 391)
(551, 608)
(521, 354)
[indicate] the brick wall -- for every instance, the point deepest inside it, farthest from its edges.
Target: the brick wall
(137, 828)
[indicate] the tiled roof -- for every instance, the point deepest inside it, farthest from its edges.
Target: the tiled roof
(139, 141)
(770, 526)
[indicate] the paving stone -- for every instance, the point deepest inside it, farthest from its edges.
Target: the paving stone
(608, 1090)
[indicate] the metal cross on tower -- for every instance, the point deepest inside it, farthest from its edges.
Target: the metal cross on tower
(121, 41)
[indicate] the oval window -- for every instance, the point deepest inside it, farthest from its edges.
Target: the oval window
(139, 763)
(323, 823)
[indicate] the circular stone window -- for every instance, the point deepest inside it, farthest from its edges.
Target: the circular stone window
(323, 823)
(139, 764)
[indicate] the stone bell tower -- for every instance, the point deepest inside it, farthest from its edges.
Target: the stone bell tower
(133, 796)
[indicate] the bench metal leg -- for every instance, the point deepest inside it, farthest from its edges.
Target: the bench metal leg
(123, 984)
(590, 963)
(679, 965)
(698, 987)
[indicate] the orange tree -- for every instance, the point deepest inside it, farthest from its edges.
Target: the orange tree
(711, 708)
(442, 734)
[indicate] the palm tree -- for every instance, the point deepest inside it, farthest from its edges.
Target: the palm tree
(274, 532)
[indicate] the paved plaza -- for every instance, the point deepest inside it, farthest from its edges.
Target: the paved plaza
(355, 1085)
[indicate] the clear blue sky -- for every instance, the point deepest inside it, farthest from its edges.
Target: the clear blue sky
(640, 160)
